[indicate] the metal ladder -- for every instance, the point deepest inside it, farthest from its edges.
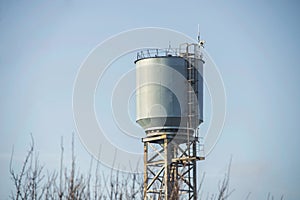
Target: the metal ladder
(192, 78)
(192, 95)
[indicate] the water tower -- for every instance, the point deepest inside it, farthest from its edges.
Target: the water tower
(170, 108)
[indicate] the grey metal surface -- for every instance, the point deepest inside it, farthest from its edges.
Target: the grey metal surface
(199, 63)
(162, 92)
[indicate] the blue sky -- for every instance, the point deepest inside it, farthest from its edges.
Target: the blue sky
(255, 45)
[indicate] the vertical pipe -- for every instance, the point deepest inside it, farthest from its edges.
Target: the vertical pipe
(167, 170)
(195, 170)
(175, 171)
(145, 169)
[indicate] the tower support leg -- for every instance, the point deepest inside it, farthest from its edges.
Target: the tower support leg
(170, 170)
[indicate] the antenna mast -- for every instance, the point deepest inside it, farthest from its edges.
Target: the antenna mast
(198, 37)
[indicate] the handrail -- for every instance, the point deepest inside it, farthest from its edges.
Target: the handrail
(185, 50)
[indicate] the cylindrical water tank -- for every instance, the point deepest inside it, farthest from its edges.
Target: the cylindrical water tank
(162, 93)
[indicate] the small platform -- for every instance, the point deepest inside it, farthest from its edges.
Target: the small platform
(179, 137)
